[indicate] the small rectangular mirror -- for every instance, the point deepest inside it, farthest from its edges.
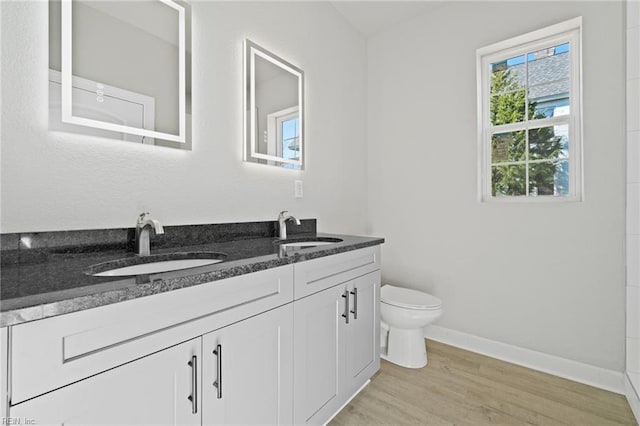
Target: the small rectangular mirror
(274, 109)
(120, 70)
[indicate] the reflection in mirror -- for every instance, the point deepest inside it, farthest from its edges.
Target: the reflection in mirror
(121, 70)
(273, 109)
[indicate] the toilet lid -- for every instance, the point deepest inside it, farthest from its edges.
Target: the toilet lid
(407, 298)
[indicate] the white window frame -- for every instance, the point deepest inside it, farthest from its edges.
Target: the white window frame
(568, 31)
(274, 127)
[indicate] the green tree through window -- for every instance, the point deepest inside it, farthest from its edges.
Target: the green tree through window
(508, 106)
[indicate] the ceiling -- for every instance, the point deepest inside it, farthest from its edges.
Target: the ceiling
(372, 17)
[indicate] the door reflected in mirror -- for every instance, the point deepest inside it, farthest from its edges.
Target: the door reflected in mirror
(273, 109)
(120, 70)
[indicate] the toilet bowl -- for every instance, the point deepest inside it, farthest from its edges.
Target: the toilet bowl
(404, 314)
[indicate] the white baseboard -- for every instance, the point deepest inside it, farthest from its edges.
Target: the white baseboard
(573, 370)
(632, 397)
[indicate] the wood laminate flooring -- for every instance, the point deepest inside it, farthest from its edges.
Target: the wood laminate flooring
(459, 387)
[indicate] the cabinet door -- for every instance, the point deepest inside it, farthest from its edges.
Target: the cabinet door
(363, 332)
(318, 368)
(248, 380)
(154, 390)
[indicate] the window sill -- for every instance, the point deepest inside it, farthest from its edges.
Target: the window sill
(523, 199)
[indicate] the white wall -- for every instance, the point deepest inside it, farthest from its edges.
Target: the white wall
(547, 277)
(633, 202)
(55, 181)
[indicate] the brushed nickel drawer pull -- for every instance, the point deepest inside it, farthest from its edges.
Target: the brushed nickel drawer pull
(218, 383)
(355, 303)
(346, 306)
(194, 384)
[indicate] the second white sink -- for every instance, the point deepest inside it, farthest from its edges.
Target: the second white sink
(306, 244)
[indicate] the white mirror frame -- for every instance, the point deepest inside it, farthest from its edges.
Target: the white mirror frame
(67, 80)
(251, 50)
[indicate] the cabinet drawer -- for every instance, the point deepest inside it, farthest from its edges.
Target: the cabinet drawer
(57, 351)
(319, 274)
(153, 390)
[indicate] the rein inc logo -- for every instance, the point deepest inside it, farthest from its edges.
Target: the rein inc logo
(18, 421)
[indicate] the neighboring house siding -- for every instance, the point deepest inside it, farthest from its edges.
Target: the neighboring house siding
(548, 82)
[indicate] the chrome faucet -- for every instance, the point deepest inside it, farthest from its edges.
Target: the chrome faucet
(282, 224)
(143, 227)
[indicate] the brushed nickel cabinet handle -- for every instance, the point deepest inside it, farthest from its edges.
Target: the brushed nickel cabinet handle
(218, 383)
(194, 384)
(346, 306)
(355, 303)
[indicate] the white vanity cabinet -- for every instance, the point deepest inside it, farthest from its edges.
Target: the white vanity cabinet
(281, 346)
(54, 352)
(118, 364)
(240, 374)
(319, 363)
(159, 389)
(247, 374)
(362, 334)
(336, 337)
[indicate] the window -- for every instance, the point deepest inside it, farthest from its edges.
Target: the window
(283, 135)
(288, 137)
(529, 116)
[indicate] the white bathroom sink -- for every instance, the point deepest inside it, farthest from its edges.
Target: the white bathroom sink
(154, 268)
(144, 265)
(306, 243)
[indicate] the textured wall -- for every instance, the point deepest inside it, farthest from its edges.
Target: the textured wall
(54, 181)
(547, 277)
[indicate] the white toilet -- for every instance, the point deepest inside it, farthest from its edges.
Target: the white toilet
(404, 314)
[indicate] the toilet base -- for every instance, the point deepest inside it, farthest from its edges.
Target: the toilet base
(406, 348)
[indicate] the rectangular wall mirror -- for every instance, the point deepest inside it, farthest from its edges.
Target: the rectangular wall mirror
(121, 70)
(274, 109)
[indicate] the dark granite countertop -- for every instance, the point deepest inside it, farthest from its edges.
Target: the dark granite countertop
(42, 275)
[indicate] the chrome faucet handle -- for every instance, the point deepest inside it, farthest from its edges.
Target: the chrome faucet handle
(142, 216)
(282, 213)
